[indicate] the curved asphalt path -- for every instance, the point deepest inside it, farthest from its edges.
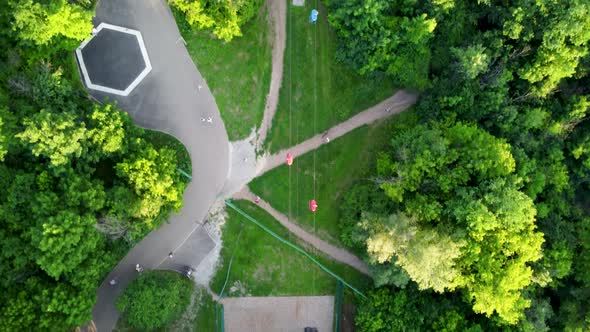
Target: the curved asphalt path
(169, 100)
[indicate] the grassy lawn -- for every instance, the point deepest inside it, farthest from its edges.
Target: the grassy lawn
(237, 72)
(161, 140)
(317, 92)
(263, 266)
(337, 165)
(205, 312)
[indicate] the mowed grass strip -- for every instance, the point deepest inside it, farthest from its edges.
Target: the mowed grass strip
(238, 72)
(205, 312)
(337, 165)
(266, 267)
(317, 92)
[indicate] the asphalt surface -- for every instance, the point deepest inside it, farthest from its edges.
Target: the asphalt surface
(169, 100)
(113, 59)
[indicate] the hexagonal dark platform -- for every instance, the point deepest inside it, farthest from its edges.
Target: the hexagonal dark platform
(114, 60)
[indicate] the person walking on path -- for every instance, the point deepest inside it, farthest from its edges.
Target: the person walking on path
(138, 268)
(170, 255)
(113, 282)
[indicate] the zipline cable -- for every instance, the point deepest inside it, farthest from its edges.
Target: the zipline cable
(290, 40)
(315, 106)
(231, 260)
(229, 203)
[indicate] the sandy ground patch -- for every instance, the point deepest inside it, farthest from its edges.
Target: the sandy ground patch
(285, 314)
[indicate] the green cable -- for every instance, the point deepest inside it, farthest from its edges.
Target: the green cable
(303, 252)
(216, 317)
(219, 318)
(184, 173)
(230, 262)
(338, 306)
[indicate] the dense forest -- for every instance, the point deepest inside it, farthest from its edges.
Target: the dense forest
(81, 183)
(478, 219)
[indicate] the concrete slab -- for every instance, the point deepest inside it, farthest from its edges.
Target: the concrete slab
(191, 252)
(242, 165)
(300, 3)
(284, 314)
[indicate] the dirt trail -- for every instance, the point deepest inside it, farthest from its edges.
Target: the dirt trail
(392, 105)
(334, 252)
(278, 16)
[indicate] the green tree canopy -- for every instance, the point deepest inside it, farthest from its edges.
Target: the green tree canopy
(58, 137)
(55, 22)
(374, 38)
(520, 71)
(472, 60)
(464, 223)
(502, 242)
(107, 130)
(563, 44)
(147, 187)
(426, 255)
(385, 310)
(155, 299)
(223, 17)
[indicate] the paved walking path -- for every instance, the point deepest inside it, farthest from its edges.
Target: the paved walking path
(334, 252)
(393, 105)
(278, 15)
(169, 100)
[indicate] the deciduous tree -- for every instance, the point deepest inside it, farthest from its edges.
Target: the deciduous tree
(56, 22)
(224, 17)
(154, 299)
(374, 39)
(426, 255)
(386, 310)
(58, 137)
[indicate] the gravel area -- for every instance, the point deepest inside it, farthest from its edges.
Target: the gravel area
(207, 267)
(284, 314)
(242, 165)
